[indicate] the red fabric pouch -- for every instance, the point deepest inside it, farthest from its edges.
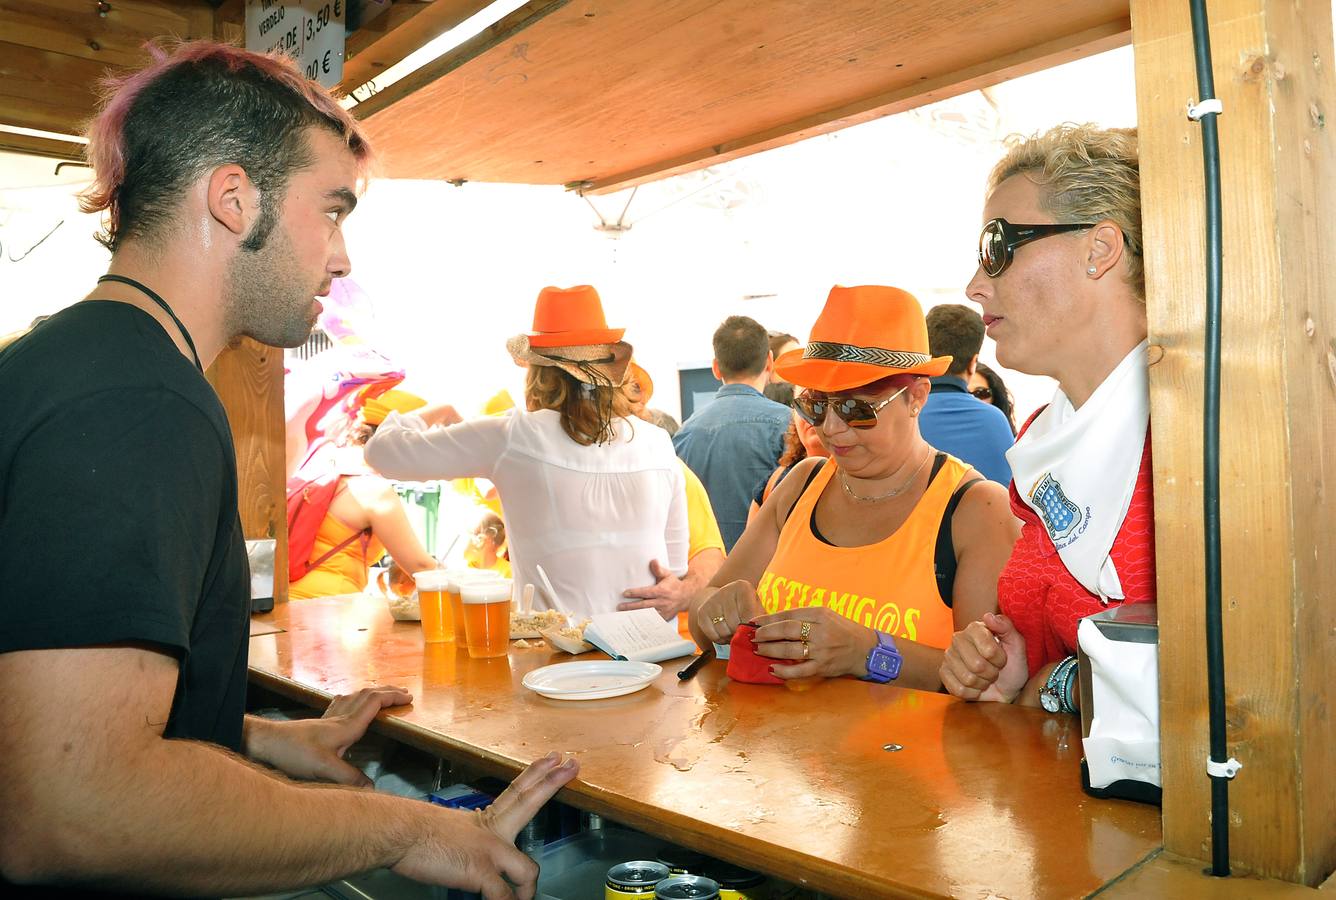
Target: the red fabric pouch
(745, 664)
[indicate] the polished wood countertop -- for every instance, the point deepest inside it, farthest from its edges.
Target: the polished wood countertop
(980, 799)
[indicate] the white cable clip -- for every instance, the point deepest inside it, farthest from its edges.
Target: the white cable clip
(1197, 110)
(1227, 769)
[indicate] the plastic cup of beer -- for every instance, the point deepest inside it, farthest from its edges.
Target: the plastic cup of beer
(457, 578)
(438, 617)
(487, 617)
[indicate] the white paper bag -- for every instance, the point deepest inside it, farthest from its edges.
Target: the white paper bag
(1124, 741)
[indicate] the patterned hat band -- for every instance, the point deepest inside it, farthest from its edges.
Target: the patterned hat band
(876, 356)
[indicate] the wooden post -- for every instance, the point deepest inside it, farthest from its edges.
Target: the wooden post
(249, 380)
(1273, 65)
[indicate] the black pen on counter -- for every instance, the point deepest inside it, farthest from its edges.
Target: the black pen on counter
(695, 665)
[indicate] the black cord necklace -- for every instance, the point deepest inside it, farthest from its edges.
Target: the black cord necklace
(152, 295)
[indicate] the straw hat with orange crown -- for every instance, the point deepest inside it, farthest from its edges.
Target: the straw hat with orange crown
(571, 333)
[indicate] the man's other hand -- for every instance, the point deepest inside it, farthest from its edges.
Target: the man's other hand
(478, 853)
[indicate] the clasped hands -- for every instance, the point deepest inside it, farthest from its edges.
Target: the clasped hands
(819, 641)
(986, 661)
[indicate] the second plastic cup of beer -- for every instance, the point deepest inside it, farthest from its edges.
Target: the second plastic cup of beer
(454, 586)
(487, 617)
(438, 618)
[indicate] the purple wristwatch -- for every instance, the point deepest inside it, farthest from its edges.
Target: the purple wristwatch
(884, 661)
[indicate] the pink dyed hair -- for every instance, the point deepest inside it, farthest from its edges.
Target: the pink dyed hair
(107, 151)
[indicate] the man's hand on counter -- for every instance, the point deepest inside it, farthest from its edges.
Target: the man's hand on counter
(313, 749)
(476, 851)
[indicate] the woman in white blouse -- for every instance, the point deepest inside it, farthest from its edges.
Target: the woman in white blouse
(589, 492)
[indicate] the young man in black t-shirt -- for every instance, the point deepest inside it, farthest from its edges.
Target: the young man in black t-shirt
(226, 178)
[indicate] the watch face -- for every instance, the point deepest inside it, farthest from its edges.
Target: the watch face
(1048, 700)
(885, 663)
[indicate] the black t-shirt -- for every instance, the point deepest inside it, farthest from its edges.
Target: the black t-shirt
(118, 507)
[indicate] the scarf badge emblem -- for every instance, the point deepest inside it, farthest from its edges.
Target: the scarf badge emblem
(1061, 516)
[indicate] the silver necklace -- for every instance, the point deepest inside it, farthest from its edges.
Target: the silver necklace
(894, 492)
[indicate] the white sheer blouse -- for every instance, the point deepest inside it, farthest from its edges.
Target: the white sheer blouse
(593, 517)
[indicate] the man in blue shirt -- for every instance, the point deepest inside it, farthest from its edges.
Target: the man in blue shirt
(953, 420)
(733, 443)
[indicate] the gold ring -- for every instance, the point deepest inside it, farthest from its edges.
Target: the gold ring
(805, 632)
(717, 619)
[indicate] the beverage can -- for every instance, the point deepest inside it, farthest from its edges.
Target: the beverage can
(634, 880)
(686, 887)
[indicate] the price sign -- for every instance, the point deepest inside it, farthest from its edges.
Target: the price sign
(310, 31)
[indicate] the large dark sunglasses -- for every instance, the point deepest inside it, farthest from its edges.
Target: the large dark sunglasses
(853, 412)
(999, 239)
(982, 393)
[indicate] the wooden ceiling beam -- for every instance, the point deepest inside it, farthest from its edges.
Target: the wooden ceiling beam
(54, 53)
(385, 40)
(46, 90)
(1032, 59)
(74, 27)
(68, 151)
(489, 37)
(396, 33)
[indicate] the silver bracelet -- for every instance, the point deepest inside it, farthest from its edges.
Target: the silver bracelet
(1065, 693)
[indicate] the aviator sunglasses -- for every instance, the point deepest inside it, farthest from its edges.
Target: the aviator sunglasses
(853, 412)
(999, 239)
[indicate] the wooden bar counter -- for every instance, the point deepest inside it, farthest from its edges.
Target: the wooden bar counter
(981, 799)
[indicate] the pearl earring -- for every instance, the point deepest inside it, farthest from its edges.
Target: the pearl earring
(1091, 271)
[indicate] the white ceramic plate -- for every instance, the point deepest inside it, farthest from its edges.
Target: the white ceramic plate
(592, 679)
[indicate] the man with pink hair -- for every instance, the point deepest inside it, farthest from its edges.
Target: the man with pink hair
(225, 178)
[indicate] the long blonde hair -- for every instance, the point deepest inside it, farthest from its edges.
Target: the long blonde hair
(588, 411)
(1086, 173)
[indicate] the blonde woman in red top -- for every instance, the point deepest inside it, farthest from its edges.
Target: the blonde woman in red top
(866, 563)
(1062, 288)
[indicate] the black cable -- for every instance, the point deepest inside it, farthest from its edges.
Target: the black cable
(13, 258)
(1215, 648)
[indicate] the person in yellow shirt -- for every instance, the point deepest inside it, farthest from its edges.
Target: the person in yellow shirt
(705, 554)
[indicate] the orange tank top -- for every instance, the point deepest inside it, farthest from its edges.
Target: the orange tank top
(343, 573)
(890, 585)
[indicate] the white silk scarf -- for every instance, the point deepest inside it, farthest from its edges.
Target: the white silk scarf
(1077, 468)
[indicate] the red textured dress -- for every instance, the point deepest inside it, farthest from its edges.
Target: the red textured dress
(1038, 593)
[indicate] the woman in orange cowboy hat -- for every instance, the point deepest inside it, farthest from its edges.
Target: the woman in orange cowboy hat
(866, 563)
(588, 495)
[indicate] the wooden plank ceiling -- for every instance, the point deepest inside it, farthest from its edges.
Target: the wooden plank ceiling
(53, 53)
(604, 94)
(599, 93)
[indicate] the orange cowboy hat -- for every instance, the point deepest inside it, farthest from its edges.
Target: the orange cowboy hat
(571, 333)
(569, 317)
(863, 334)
